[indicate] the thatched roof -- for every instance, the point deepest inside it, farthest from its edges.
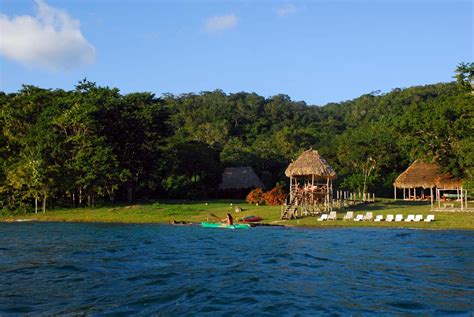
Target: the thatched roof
(426, 175)
(240, 178)
(310, 163)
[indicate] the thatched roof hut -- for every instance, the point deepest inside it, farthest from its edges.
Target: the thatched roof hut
(306, 195)
(240, 178)
(310, 163)
(425, 175)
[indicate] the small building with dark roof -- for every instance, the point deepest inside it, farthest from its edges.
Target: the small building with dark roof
(238, 181)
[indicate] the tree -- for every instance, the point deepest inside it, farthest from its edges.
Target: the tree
(189, 169)
(465, 76)
(368, 152)
(33, 155)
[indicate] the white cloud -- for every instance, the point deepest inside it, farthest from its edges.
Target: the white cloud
(286, 10)
(51, 40)
(220, 23)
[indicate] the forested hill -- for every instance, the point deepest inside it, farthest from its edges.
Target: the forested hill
(93, 143)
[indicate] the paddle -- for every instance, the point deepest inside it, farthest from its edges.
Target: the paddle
(215, 216)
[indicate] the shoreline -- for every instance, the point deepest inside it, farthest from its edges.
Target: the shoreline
(331, 225)
(165, 212)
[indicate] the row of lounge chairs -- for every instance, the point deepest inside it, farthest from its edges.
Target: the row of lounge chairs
(369, 216)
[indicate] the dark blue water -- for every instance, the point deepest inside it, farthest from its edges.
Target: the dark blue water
(96, 269)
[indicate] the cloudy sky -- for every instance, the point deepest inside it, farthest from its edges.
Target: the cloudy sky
(318, 51)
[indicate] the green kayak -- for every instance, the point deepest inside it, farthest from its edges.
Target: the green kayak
(225, 226)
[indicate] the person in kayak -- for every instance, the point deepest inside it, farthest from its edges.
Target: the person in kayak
(229, 220)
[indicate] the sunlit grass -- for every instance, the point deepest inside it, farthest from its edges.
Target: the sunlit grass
(167, 211)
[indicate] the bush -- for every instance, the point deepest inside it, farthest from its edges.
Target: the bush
(276, 196)
(255, 196)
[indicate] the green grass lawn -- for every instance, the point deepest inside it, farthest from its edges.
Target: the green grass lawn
(164, 212)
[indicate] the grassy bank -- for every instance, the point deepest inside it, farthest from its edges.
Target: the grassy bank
(200, 211)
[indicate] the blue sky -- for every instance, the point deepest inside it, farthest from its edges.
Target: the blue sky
(315, 51)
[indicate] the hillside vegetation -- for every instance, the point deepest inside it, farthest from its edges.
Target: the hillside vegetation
(90, 144)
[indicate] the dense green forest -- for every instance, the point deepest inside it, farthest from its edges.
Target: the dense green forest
(92, 144)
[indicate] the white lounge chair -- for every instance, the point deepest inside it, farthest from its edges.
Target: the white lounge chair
(332, 215)
(399, 217)
(378, 218)
(348, 216)
(389, 218)
(369, 216)
(418, 218)
(359, 218)
(410, 218)
(323, 217)
(429, 218)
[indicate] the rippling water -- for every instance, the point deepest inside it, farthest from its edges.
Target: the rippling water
(96, 269)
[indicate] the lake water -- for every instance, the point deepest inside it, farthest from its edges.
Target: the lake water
(107, 269)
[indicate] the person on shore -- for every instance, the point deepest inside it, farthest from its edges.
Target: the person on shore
(229, 220)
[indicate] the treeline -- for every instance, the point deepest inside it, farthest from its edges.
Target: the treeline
(90, 144)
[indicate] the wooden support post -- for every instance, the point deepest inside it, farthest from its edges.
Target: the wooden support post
(331, 197)
(438, 197)
(466, 199)
(431, 197)
(462, 200)
(395, 192)
(327, 190)
(291, 188)
(404, 193)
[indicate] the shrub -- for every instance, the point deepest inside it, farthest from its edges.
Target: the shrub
(276, 196)
(255, 196)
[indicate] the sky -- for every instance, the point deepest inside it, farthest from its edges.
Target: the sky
(316, 51)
